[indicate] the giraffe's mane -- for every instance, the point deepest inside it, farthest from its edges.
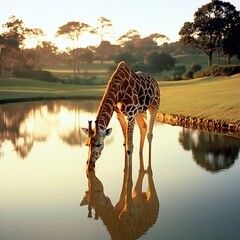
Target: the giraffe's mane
(120, 64)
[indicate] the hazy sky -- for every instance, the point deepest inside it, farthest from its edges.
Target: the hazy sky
(146, 16)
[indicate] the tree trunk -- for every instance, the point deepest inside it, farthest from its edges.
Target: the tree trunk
(210, 59)
(0, 68)
(229, 60)
(74, 64)
(218, 56)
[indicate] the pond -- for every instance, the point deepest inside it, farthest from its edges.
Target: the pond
(44, 186)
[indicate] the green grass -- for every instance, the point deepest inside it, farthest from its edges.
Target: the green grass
(15, 88)
(99, 71)
(213, 97)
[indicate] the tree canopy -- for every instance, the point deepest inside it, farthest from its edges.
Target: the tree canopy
(213, 24)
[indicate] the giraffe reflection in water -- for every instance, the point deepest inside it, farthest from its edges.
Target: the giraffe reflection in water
(135, 212)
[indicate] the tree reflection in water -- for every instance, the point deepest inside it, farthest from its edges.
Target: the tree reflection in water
(24, 123)
(212, 152)
(135, 212)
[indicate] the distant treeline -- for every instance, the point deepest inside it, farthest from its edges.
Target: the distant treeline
(215, 31)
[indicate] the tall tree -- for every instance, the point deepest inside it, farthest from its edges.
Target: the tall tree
(129, 36)
(212, 24)
(73, 31)
(17, 34)
(104, 28)
(7, 44)
(231, 45)
(46, 54)
(160, 61)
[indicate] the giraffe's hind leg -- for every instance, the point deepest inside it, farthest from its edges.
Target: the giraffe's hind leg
(143, 131)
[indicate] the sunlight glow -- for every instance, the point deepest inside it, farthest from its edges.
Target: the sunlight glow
(147, 17)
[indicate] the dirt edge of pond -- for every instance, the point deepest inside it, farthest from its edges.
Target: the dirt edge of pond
(209, 125)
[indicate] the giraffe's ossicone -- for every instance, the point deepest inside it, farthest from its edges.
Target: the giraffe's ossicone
(130, 95)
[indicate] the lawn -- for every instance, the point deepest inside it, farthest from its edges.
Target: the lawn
(213, 97)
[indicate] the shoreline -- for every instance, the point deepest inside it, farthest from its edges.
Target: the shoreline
(205, 124)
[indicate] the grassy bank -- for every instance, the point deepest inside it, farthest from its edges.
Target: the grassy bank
(216, 98)
(213, 97)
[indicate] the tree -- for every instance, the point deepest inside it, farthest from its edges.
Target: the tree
(143, 46)
(212, 24)
(130, 36)
(7, 43)
(231, 45)
(86, 55)
(105, 51)
(46, 54)
(104, 28)
(160, 62)
(125, 56)
(73, 31)
(15, 41)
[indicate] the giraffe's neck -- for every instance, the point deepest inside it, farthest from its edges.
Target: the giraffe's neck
(112, 95)
(107, 106)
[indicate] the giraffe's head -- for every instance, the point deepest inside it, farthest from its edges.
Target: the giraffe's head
(95, 142)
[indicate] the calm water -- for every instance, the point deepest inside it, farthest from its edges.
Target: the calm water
(43, 181)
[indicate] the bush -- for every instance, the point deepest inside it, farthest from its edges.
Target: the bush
(188, 74)
(195, 67)
(216, 70)
(178, 72)
(39, 75)
(44, 76)
(22, 73)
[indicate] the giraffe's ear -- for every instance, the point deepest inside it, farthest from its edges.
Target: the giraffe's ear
(108, 131)
(84, 202)
(85, 130)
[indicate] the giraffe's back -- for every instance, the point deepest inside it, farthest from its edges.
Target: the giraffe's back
(148, 91)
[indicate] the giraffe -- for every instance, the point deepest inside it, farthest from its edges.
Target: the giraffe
(129, 94)
(135, 212)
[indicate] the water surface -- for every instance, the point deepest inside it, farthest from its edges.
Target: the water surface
(43, 179)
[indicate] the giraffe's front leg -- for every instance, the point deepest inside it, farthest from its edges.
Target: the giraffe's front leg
(122, 122)
(129, 136)
(129, 142)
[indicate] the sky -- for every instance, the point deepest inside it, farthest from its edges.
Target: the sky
(146, 16)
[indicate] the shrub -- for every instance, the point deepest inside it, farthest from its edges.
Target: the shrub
(216, 70)
(22, 73)
(39, 75)
(195, 67)
(178, 72)
(44, 76)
